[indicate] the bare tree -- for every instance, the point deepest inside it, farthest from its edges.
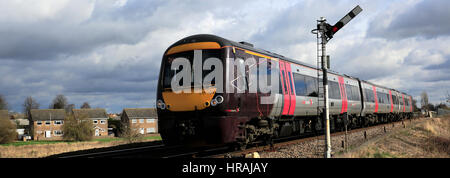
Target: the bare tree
(131, 135)
(28, 105)
(85, 105)
(424, 100)
(60, 102)
(3, 103)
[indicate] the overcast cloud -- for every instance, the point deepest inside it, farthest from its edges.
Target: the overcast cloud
(108, 53)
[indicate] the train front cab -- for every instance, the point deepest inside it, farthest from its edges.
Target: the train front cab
(190, 116)
(193, 117)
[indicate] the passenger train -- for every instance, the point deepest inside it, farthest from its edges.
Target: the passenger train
(240, 118)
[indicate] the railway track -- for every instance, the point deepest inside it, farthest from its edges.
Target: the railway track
(159, 150)
(292, 141)
(156, 150)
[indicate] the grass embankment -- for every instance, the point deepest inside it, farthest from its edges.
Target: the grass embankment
(422, 138)
(37, 149)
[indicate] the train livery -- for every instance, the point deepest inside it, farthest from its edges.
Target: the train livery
(240, 117)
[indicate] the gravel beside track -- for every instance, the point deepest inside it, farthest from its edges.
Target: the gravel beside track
(314, 148)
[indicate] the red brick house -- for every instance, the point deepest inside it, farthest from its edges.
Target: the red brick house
(99, 119)
(143, 120)
(46, 124)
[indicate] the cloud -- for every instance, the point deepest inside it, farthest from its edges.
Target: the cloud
(62, 29)
(109, 52)
(425, 19)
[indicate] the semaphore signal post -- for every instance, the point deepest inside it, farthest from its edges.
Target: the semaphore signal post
(325, 32)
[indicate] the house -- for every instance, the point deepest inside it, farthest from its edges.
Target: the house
(20, 133)
(46, 124)
(144, 120)
(99, 119)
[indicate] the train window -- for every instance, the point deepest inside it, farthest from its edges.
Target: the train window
(269, 70)
(369, 95)
(348, 90)
(355, 92)
(286, 91)
(334, 91)
(267, 75)
(366, 95)
(241, 77)
(300, 85)
(311, 86)
(352, 92)
(380, 97)
(280, 85)
(291, 83)
(372, 95)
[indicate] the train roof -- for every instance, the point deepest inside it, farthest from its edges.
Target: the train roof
(248, 46)
(383, 87)
(243, 45)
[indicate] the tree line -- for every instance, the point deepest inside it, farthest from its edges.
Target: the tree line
(59, 102)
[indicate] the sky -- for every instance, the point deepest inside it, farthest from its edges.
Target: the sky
(108, 52)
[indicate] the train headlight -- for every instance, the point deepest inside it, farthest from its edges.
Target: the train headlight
(160, 104)
(213, 102)
(219, 99)
(216, 101)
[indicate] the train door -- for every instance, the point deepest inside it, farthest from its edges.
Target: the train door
(392, 102)
(375, 98)
(286, 81)
(410, 104)
(344, 101)
(396, 103)
(290, 82)
(404, 105)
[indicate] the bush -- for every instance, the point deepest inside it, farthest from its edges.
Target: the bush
(130, 135)
(77, 129)
(7, 131)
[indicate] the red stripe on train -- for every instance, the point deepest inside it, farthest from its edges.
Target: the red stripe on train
(285, 95)
(343, 95)
(292, 87)
(390, 98)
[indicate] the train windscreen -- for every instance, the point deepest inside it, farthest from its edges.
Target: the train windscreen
(169, 73)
